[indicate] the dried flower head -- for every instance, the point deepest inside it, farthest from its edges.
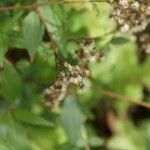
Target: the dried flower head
(133, 16)
(74, 75)
(55, 93)
(87, 52)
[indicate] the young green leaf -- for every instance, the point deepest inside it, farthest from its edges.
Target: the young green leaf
(27, 117)
(71, 119)
(119, 40)
(32, 31)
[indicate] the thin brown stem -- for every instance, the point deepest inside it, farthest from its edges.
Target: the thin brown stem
(32, 6)
(121, 97)
(93, 38)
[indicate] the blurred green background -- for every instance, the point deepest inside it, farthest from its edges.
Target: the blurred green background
(27, 67)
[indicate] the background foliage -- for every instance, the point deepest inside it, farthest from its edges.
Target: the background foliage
(79, 121)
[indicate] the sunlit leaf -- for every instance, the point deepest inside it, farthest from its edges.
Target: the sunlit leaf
(71, 119)
(32, 31)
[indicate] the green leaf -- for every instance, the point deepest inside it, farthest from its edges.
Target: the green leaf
(9, 21)
(119, 40)
(27, 117)
(11, 84)
(13, 135)
(3, 49)
(15, 39)
(32, 31)
(54, 19)
(71, 119)
(96, 141)
(67, 146)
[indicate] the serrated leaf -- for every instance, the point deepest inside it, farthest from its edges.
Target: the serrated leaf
(32, 31)
(71, 119)
(27, 117)
(119, 40)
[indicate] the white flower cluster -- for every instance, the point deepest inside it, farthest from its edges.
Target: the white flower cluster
(55, 93)
(131, 16)
(123, 3)
(74, 76)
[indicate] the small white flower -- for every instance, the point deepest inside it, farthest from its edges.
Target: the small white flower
(120, 20)
(87, 73)
(92, 58)
(47, 91)
(118, 12)
(68, 66)
(125, 28)
(77, 67)
(135, 6)
(124, 3)
(61, 96)
(85, 85)
(75, 80)
(87, 47)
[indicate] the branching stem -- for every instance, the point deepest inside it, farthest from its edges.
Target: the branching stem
(117, 96)
(32, 6)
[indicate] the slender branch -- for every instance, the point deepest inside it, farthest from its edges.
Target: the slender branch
(121, 97)
(94, 38)
(85, 138)
(32, 6)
